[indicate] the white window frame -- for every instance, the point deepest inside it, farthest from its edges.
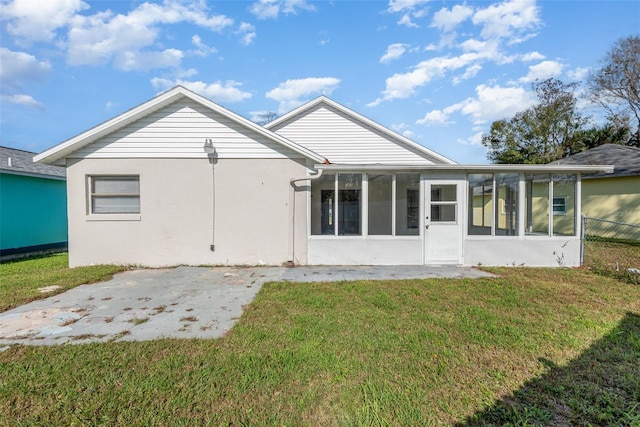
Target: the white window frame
(563, 204)
(364, 210)
(91, 195)
(453, 203)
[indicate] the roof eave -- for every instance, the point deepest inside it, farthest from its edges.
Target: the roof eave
(585, 169)
(33, 174)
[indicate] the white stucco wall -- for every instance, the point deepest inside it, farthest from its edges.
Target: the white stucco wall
(531, 252)
(365, 251)
(176, 220)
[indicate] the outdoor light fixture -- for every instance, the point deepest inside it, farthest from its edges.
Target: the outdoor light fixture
(208, 146)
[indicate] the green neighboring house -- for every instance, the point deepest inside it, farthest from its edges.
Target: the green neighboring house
(33, 204)
(613, 196)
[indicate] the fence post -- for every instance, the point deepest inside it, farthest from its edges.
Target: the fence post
(583, 230)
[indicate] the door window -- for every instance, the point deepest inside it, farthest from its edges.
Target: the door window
(444, 205)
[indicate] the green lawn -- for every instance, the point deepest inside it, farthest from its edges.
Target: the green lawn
(531, 347)
(21, 279)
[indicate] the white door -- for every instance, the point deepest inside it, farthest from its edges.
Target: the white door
(443, 222)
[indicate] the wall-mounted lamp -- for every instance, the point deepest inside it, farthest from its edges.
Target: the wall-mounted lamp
(208, 146)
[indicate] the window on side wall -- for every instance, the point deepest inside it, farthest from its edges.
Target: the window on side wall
(114, 194)
(560, 205)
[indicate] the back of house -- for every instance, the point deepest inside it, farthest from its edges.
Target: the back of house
(183, 180)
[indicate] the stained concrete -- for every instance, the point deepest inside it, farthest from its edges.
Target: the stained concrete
(182, 302)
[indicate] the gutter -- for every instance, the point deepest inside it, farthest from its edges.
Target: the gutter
(585, 169)
(292, 210)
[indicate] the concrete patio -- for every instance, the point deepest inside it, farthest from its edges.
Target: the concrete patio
(182, 302)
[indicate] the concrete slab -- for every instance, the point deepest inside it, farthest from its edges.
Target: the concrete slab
(378, 272)
(182, 302)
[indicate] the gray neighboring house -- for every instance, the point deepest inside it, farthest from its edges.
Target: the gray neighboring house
(180, 179)
(33, 204)
(611, 196)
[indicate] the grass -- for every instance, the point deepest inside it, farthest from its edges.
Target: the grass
(21, 279)
(530, 347)
(613, 258)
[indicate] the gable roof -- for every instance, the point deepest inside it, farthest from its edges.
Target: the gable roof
(20, 162)
(626, 160)
(62, 150)
(323, 100)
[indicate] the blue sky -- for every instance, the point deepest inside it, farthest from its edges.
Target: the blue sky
(438, 72)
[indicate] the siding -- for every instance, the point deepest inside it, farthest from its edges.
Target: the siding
(34, 211)
(342, 139)
(179, 130)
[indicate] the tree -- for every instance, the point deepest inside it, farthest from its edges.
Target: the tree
(612, 132)
(541, 134)
(616, 86)
(267, 117)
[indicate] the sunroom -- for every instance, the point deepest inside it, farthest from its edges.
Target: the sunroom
(445, 214)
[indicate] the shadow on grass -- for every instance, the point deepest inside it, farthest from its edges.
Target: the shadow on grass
(600, 387)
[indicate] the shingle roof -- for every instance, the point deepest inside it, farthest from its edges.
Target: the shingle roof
(20, 162)
(626, 160)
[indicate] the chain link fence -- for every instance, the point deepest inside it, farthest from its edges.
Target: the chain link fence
(612, 248)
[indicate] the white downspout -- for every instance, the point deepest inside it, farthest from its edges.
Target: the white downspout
(292, 203)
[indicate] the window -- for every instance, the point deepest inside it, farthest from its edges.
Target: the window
(549, 204)
(323, 208)
(480, 203)
(380, 204)
(563, 199)
(536, 202)
(560, 205)
(413, 208)
(507, 196)
(349, 204)
(393, 204)
(339, 214)
(407, 204)
(443, 203)
(115, 194)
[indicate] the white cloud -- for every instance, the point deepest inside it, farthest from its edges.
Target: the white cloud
(247, 33)
(31, 20)
(543, 70)
(409, 9)
(403, 5)
(203, 50)
(579, 73)
(24, 100)
(508, 19)
(475, 139)
(491, 103)
(394, 51)
(494, 103)
(532, 56)
(148, 60)
(271, 9)
(19, 67)
(403, 85)
(127, 40)
(447, 20)
(228, 91)
(407, 22)
(292, 93)
(434, 117)
(469, 73)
